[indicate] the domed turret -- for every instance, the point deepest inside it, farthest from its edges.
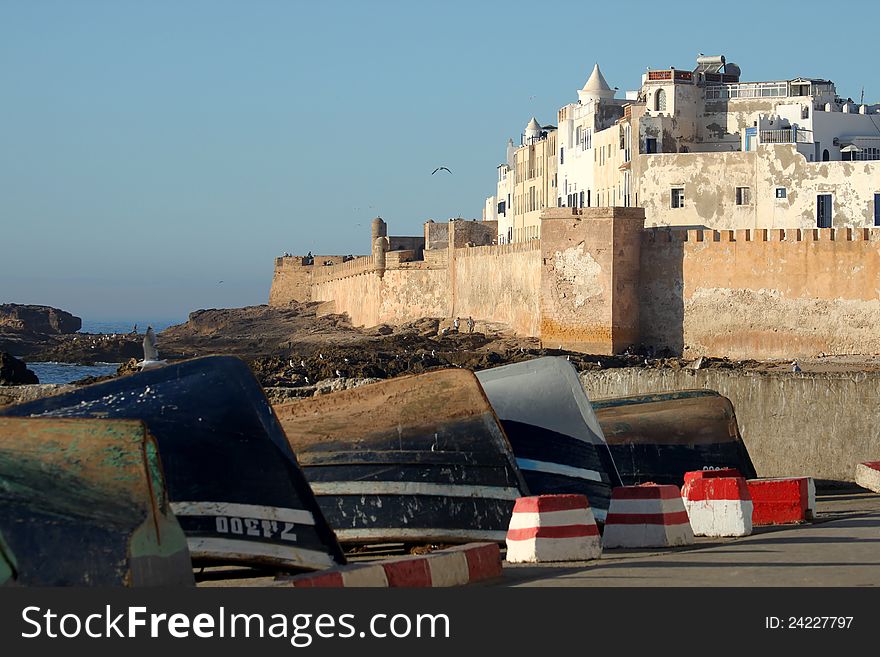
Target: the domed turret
(596, 88)
(533, 131)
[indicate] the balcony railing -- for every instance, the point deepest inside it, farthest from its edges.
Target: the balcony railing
(786, 136)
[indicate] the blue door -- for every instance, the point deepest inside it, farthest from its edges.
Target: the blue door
(751, 138)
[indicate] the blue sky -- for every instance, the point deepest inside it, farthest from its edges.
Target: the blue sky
(150, 150)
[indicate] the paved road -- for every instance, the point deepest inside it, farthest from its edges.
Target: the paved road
(841, 549)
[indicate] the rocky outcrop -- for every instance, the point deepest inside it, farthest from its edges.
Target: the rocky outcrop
(38, 319)
(22, 394)
(14, 372)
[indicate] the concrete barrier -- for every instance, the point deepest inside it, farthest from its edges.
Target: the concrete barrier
(717, 505)
(647, 516)
(552, 528)
(781, 501)
(868, 475)
(457, 566)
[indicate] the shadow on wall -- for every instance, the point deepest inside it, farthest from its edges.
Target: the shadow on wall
(661, 290)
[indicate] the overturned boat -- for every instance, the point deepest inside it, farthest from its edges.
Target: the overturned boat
(554, 434)
(8, 567)
(658, 437)
(415, 459)
(83, 503)
(233, 481)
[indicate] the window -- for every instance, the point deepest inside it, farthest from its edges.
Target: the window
(781, 192)
(677, 197)
(501, 208)
(823, 210)
(561, 155)
(582, 200)
(877, 209)
(660, 101)
(743, 196)
(650, 145)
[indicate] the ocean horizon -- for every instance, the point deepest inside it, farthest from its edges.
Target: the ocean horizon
(110, 326)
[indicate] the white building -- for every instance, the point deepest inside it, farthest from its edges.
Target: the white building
(701, 148)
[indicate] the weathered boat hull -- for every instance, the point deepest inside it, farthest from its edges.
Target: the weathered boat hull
(661, 436)
(83, 503)
(555, 436)
(233, 481)
(8, 568)
(414, 459)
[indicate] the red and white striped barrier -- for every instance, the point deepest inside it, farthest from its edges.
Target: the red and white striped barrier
(717, 505)
(455, 566)
(782, 500)
(868, 475)
(552, 528)
(649, 515)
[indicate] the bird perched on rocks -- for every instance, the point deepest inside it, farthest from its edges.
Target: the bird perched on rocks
(795, 367)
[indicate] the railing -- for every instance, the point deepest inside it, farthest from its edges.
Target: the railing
(786, 136)
(747, 90)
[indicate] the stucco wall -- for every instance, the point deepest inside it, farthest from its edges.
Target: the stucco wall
(761, 294)
(359, 295)
(710, 181)
(409, 294)
(590, 260)
(499, 284)
(291, 281)
(489, 283)
(819, 425)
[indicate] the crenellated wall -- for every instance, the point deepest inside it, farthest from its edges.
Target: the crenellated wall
(781, 293)
(597, 281)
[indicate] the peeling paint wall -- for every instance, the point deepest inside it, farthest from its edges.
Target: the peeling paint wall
(710, 181)
(589, 282)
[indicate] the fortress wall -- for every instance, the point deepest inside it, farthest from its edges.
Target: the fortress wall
(409, 294)
(291, 281)
(359, 295)
(781, 293)
(498, 284)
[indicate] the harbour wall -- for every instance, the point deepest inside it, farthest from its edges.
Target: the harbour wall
(815, 424)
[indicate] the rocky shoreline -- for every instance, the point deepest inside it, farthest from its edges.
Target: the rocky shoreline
(294, 351)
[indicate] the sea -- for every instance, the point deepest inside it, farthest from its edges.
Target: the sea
(68, 372)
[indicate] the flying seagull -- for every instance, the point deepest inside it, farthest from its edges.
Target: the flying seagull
(151, 354)
(440, 169)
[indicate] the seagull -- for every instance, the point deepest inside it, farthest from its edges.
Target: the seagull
(338, 374)
(440, 169)
(321, 356)
(151, 354)
(795, 367)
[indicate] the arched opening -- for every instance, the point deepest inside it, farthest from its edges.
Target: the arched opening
(825, 155)
(660, 101)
